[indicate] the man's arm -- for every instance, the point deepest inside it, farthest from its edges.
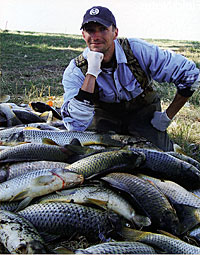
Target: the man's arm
(176, 105)
(162, 120)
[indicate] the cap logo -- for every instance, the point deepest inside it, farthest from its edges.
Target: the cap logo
(94, 11)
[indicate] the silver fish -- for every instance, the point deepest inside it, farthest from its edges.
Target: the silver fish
(101, 196)
(118, 248)
(162, 242)
(149, 198)
(65, 137)
(38, 183)
(12, 170)
(19, 236)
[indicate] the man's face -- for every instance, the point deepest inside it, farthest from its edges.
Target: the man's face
(99, 38)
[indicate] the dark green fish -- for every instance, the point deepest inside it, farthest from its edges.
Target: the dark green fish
(26, 116)
(67, 220)
(164, 243)
(42, 107)
(19, 236)
(118, 248)
(149, 198)
(107, 161)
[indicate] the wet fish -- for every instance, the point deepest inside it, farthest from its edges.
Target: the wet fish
(107, 161)
(67, 220)
(170, 168)
(42, 107)
(34, 151)
(11, 118)
(4, 99)
(9, 206)
(19, 236)
(149, 198)
(37, 183)
(118, 248)
(101, 196)
(186, 204)
(185, 158)
(63, 137)
(26, 116)
(6, 133)
(175, 192)
(162, 242)
(13, 170)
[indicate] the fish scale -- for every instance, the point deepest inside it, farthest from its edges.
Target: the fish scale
(66, 219)
(37, 183)
(118, 248)
(103, 161)
(33, 151)
(165, 243)
(150, 199)
(171, 168)
(65, 137)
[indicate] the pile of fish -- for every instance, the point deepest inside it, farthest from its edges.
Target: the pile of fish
(90, 193)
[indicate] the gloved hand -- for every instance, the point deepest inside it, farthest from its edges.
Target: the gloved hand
(160, 120)
(94, 62)
(196, 84)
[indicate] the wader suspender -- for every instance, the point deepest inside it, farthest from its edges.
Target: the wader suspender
(132, 63)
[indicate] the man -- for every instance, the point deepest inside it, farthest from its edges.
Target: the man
(114, 94)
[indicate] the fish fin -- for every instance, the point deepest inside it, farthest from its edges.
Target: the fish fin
(98, 202)
(62, 250)
(49, 141)
(4, 99)
(50, 117)
(63, 200)
(141, 221)
(178, 149)
(79, 150)
(43, 180)
(75, 141)
(31, 128)
(20, 195)
(24, 203)
(131, 234)
(163, 232)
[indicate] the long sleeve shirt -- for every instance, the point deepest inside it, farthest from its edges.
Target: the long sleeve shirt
(120, 84)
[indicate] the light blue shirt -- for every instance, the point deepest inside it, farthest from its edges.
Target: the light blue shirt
(120, 84)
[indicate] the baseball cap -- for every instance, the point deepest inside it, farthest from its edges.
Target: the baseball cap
(99, 14)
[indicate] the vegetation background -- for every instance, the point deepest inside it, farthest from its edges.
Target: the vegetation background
(32, 65)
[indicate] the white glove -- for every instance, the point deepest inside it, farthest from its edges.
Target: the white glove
(196, 84)
(94, 62)
(160, 120)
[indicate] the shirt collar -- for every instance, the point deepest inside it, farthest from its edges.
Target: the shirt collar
(120, 55)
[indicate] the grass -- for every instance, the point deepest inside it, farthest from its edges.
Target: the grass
(32, 65)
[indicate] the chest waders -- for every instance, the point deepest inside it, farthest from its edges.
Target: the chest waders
(129, 117)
